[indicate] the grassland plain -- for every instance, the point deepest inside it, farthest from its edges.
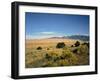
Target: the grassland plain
(44, 53)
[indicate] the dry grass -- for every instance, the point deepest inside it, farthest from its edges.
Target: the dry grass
(48, 42)
(36, 58)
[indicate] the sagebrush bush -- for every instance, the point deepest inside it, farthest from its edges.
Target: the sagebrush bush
(39, 48)
(83, 50)
(54, 55)
(85, 43)
(70, 56)
(60, 45)
(77, 44)
(47, 56)
(63, 62)
(47, 48)
(67, 53)
(75, 50)
(72, 45)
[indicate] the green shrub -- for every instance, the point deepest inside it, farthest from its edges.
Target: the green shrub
(47, 48)
(63, 62)
(86, 44)
(47, 56)
(66, 53)
(75, 50)
(83, 50)
(39, 48)
(60, 45)
(54, 55)
(70, 56)
(66, 58)
(77, 44)
(72, 45)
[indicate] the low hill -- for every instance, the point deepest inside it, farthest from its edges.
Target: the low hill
(74, 37)
(79, 37)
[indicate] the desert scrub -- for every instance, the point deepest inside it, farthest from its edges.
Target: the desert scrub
(70, 56)
(52, 55)
(83, 50)
(83, 55)
(47, 56)
(77, 44)
(86, 43)
(63, 62)
(60, 45)
(39, 48)
(50, 64)
(67, 52)
(66, 58)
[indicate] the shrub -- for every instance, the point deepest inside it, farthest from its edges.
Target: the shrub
(83, 50)
(77, 43)
(86, 44)
(63, 62)
(74, 50)
(48, 64)
(60, 45)
(47, 56)
(47, 48)
(66, 54)
(72, 45)
(39, 48)
(72, 59)
(65, 58)
(52, 55)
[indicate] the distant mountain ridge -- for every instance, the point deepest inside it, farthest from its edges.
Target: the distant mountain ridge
(76, 37)
(79, 37)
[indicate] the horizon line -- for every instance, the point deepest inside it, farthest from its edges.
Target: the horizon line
(55, 36)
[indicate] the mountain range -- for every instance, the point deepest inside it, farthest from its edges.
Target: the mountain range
(76, 37)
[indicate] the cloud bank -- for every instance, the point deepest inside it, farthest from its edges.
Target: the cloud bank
(40, 35)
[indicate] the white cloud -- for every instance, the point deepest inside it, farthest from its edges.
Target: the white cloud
(48, 33)
(40, 35)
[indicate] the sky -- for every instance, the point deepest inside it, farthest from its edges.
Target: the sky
(46, 25)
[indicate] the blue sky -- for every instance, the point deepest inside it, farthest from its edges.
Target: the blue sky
(45, 25)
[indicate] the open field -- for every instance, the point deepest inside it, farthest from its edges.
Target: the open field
(45, 43)
(45, 53)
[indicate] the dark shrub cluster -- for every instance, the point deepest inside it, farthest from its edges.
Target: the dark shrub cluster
(39, 48)
(47, 48)
(60, 45)
(77, 44)
(72, 45)
(47, 56)
(86, 44)
(75, 50)
(83, 50)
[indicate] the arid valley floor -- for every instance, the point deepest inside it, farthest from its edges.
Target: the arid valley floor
(45, 53)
